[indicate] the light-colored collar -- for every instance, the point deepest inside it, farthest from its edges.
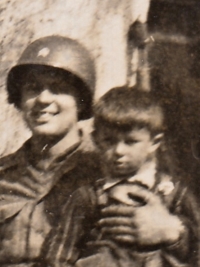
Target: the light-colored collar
(145, 176)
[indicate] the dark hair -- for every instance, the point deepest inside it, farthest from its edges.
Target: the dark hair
(125, 108)
(23, 72)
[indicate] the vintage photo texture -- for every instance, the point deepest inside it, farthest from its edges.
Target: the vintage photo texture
(100, 133)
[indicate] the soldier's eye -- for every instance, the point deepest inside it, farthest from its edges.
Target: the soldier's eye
(31, 86)
(55, 88)
(58, 87)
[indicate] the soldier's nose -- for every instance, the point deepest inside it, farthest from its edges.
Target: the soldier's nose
(45, 96)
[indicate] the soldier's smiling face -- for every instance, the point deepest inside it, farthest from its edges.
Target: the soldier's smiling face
(48, 103)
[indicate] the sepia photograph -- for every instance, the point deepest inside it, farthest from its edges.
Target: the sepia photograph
(100, 133)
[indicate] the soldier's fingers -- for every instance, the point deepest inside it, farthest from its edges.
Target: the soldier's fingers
(118, 230)
(114, 221)
(127, 239)
(118, 210)
(141, 194)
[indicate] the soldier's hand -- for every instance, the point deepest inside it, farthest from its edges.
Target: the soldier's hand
(150, 224)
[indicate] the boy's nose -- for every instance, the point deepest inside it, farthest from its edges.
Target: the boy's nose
(45, 96)
(120, 148)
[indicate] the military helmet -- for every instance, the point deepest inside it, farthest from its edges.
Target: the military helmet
(60, 53)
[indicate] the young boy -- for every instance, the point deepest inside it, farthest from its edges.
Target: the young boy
(144, 214)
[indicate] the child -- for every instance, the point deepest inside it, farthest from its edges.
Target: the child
(146, 215)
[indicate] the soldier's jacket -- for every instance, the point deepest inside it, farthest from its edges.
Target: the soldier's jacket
(32, 199)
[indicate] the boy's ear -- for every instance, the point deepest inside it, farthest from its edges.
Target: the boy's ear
(94, 137)
(157, 140)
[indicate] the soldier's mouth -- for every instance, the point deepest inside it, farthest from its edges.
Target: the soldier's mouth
(42, 117)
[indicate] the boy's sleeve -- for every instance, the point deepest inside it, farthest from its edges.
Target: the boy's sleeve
(186, 251)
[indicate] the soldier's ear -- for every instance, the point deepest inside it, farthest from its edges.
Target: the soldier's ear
(156, 142)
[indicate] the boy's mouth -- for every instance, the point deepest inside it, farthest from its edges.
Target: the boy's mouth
(120, 163)
(120, 168)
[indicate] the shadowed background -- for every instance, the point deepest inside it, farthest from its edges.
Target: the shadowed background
(175, 75)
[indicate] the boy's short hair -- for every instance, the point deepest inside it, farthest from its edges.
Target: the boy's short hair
(125, 108)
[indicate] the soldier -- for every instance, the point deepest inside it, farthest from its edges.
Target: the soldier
(52, 85)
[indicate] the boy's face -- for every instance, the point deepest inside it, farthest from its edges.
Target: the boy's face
(48, 103)
(124, 152)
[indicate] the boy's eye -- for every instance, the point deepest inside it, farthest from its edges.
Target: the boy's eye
(131, 141)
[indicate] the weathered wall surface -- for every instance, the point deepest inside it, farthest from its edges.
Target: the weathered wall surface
(100, 25)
